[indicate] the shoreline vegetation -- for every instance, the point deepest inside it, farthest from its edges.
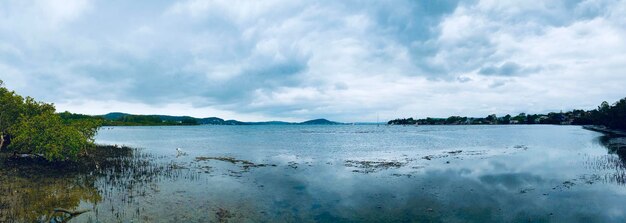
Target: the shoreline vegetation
(124, 119)
(59, 155)
(32, 128)
(63, 186)
(605, 118)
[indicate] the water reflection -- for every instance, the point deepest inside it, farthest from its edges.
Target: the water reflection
(611, 168)
(442, 195)
(32, 195)
(482, 174)
(615, 145)
(37, 191)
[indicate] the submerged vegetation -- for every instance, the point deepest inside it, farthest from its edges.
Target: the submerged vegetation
(245, 164)
(612, 116)
(36, 190)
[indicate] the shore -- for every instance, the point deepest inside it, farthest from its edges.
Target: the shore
(605, 130)
(614, 140)
(98, 157)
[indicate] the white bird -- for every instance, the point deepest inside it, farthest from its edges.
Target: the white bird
(179, 152)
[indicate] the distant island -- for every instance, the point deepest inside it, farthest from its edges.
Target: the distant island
(124, 119)
(610, 116)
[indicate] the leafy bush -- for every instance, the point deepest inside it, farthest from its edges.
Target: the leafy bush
(34, 128)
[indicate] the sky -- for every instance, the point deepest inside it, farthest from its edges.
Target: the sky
(297, 60)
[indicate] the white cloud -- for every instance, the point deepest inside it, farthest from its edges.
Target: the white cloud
(57, 13)
(298, 60)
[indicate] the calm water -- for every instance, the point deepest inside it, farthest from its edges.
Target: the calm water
(344, 174)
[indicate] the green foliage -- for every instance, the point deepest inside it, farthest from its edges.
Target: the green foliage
(122, 119)
(87, 125)
(403, 121)
(141, 119)
(505, 120)
(189, 121)
(612, 116)
(30, 107)
(10, 108)
(70, 117)
(34, 128)
(456, 120)
(519, 119)
(46, 135)
(88, 128)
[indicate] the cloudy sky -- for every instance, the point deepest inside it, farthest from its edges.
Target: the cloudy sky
(297, 60)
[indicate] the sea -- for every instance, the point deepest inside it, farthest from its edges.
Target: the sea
(340, 173)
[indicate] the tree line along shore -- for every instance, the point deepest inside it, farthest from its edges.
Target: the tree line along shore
(611, 116)
(124, 119)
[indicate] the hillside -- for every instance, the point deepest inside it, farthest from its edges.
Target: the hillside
(125, 119)
(319, 122)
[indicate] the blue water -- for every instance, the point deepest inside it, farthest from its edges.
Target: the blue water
(445, 173)
(366, 173)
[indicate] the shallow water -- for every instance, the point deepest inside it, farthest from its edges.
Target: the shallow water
(340, 174)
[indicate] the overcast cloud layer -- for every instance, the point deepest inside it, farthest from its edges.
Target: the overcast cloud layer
(298, 60)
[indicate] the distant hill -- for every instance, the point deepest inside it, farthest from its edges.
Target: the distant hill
(118, 118)
(174, 118)
(211, 121)
(114, 115)
(319, 122)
